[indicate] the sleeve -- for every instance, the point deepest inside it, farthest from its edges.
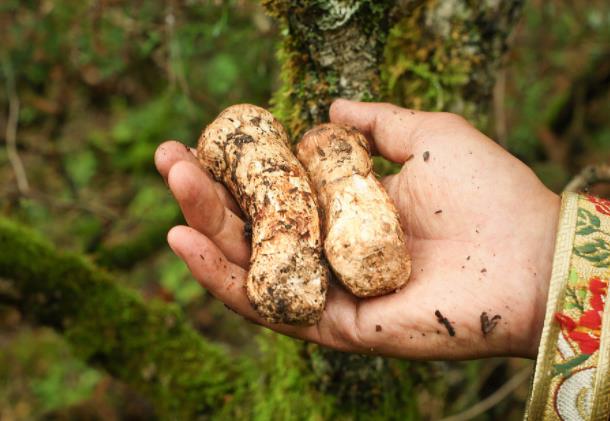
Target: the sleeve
(572, 376)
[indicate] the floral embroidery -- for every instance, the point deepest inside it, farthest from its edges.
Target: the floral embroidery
(568, 383)
(601, 205)
(596, 248)
(587, 330)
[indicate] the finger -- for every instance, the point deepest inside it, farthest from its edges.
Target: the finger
(203, 210)
(171, 152)
(224, 280)
(226, 197)
(390, 129)
(212, 269)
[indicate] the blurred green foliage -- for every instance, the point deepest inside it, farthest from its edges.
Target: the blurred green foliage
(39, 374)
(102, 83)
(560, 62)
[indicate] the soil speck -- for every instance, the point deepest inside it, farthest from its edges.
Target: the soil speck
(248, 231)
(445, 322)
(487, 324)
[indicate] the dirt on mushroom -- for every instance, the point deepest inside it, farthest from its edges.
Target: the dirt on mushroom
(363, 239)
(247, 150)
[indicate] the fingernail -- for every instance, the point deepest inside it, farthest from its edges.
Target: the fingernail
(171, 241)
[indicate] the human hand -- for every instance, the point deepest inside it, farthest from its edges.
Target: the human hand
(481, 230)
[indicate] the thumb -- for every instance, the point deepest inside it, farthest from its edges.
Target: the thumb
(390, 129)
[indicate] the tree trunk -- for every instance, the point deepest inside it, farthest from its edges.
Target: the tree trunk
(425, 54)
(433, 55)
(430, 54)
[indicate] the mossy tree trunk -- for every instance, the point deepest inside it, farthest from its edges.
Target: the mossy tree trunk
(431, 54)
(147, 345)
(425, 54)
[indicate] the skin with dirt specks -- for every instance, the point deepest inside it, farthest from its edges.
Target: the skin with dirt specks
(247, 149)
(364, 241)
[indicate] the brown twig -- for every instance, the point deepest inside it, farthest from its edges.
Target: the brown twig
(175, 65)
(495, 398)
(499, 95)
(553, 146)
(588, 177)
(11, 129)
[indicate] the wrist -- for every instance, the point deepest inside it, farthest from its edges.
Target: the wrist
(542, 253)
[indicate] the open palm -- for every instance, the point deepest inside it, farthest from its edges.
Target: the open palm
(480, 226)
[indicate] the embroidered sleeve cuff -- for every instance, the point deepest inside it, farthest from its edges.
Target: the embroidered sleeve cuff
(572, 376)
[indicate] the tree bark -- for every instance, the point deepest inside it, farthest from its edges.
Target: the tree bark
(424, 54)
(433, 55)
(443, 55)
(330, 49)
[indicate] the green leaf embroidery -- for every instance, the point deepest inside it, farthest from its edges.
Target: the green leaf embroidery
(587, 222)
(582, 293)
(596, 251)
(585, 230)
(572, 300)
(573, 279)
(565, 368)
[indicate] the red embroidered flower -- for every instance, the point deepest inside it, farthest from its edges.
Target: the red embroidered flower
(587, 331)
(602, 205)
(599, 291)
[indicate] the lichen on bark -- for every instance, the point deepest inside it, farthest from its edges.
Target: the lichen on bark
(329, 50)
(442, 56)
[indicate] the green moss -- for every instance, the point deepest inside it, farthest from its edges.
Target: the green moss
(285, 109)
(148, 345)
(309, 87)
(442, 56)
(424, 70)
(38, 367)
(284, 389)
(364, 387)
